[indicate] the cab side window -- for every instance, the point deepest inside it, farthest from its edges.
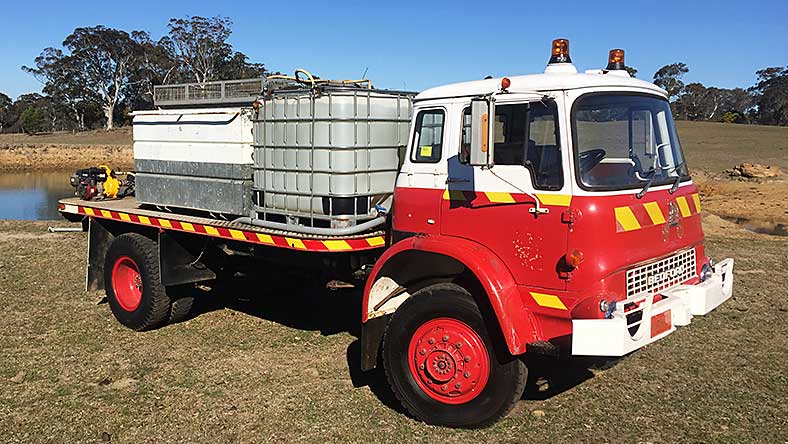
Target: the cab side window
(429, 136)
(525, 134)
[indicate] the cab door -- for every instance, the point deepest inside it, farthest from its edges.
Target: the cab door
(496, 206)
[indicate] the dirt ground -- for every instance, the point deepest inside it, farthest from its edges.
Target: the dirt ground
(276, 360)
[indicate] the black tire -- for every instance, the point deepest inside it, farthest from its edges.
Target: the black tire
(506, 377)
(181, 304)
(153, 308)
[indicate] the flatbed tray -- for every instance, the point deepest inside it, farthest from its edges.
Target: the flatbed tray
(128, 210)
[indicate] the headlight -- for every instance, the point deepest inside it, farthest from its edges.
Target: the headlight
(705, 272)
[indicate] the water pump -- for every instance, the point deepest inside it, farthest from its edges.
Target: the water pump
(102, 182)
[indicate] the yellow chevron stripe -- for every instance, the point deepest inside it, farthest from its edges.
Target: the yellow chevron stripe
(548, 300)
(683, 206)
(89, 211)
(657, 218)
(498, 197)
(453, 195)
(106, 214)
(558, 200)
(164, 223)
(295, 243)
(144, 220)
(264, 238)
(237, 235)
(187, 226)
(626, 219)
(124, 216)
(337, 245)
(696, 199)
(376, 241)
(211, 230)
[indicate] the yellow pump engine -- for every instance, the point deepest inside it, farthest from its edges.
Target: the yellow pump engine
(102, 182)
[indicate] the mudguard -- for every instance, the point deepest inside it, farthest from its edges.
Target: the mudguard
(515, 321)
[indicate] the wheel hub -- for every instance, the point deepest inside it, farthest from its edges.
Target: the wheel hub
(449, 360)
(127, 283)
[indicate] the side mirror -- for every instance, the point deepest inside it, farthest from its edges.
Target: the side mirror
(481, 137)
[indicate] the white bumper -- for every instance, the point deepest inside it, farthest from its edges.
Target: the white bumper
(612, 337)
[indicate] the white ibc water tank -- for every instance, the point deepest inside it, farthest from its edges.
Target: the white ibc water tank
(327, 156)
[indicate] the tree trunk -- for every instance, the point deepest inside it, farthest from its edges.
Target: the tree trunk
(109, 111)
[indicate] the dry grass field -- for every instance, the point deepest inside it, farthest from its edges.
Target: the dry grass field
(275, 359)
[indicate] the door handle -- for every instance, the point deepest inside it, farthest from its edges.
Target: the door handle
(457, 180)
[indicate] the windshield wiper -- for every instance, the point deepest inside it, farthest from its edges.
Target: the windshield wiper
(678, 177)
(652, 174)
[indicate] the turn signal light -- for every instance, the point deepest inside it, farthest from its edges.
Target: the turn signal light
(574, 258)
(560, 52)
(615, 60)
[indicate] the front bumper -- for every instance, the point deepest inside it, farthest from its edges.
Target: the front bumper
(638, 321)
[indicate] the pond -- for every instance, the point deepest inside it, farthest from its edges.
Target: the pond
(33, 195)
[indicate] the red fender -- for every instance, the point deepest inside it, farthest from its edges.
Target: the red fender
(514, 318)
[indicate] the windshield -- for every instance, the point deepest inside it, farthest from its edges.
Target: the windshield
(625, 141)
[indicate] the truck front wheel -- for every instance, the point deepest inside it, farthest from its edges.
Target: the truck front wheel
(135, 293)
(441, 364)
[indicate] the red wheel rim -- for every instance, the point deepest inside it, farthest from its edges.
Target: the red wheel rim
(449, 361)
(127, 283)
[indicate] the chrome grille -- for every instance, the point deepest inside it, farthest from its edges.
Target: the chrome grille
(663, 274)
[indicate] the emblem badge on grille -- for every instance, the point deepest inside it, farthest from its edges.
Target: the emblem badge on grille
(673, 214)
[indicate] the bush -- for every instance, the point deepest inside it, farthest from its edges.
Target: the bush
(34, 120)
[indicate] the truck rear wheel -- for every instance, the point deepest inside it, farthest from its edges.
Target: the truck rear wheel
(135, 293)
(441, 364)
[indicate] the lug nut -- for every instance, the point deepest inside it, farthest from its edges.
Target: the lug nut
(458, 345)
(467, 359)
(445, 338)
(431, 341)
(444, 387)
(421, 366)
(457, 385)
(466, 374)
(423, 352)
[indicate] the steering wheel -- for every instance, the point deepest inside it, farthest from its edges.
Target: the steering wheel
(591, 158)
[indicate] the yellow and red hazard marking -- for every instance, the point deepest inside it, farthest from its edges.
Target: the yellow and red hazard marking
(293, 243)
(649, 214)
(498, 197)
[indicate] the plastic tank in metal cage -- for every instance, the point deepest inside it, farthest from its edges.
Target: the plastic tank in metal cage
(328, 156)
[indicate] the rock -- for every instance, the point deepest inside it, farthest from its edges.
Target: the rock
(19, 377)
(123, 384)
(312, 372)
(538, 413)
(755, 171)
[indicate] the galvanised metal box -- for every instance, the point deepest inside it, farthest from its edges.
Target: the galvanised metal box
(327, 156)
(195, 159)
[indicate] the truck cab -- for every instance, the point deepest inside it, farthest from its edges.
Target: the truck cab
(559, 205)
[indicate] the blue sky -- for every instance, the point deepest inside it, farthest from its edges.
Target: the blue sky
(416, 45)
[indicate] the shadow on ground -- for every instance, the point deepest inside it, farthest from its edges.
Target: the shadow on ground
(303, 303)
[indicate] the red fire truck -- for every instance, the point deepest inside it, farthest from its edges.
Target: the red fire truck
(550, 213)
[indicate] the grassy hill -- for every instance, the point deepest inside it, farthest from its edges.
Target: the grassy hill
(714, 147)
(710, 147)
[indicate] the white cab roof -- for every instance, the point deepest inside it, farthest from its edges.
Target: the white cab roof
(541, 83)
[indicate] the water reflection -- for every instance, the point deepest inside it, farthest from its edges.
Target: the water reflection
(33, 195)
